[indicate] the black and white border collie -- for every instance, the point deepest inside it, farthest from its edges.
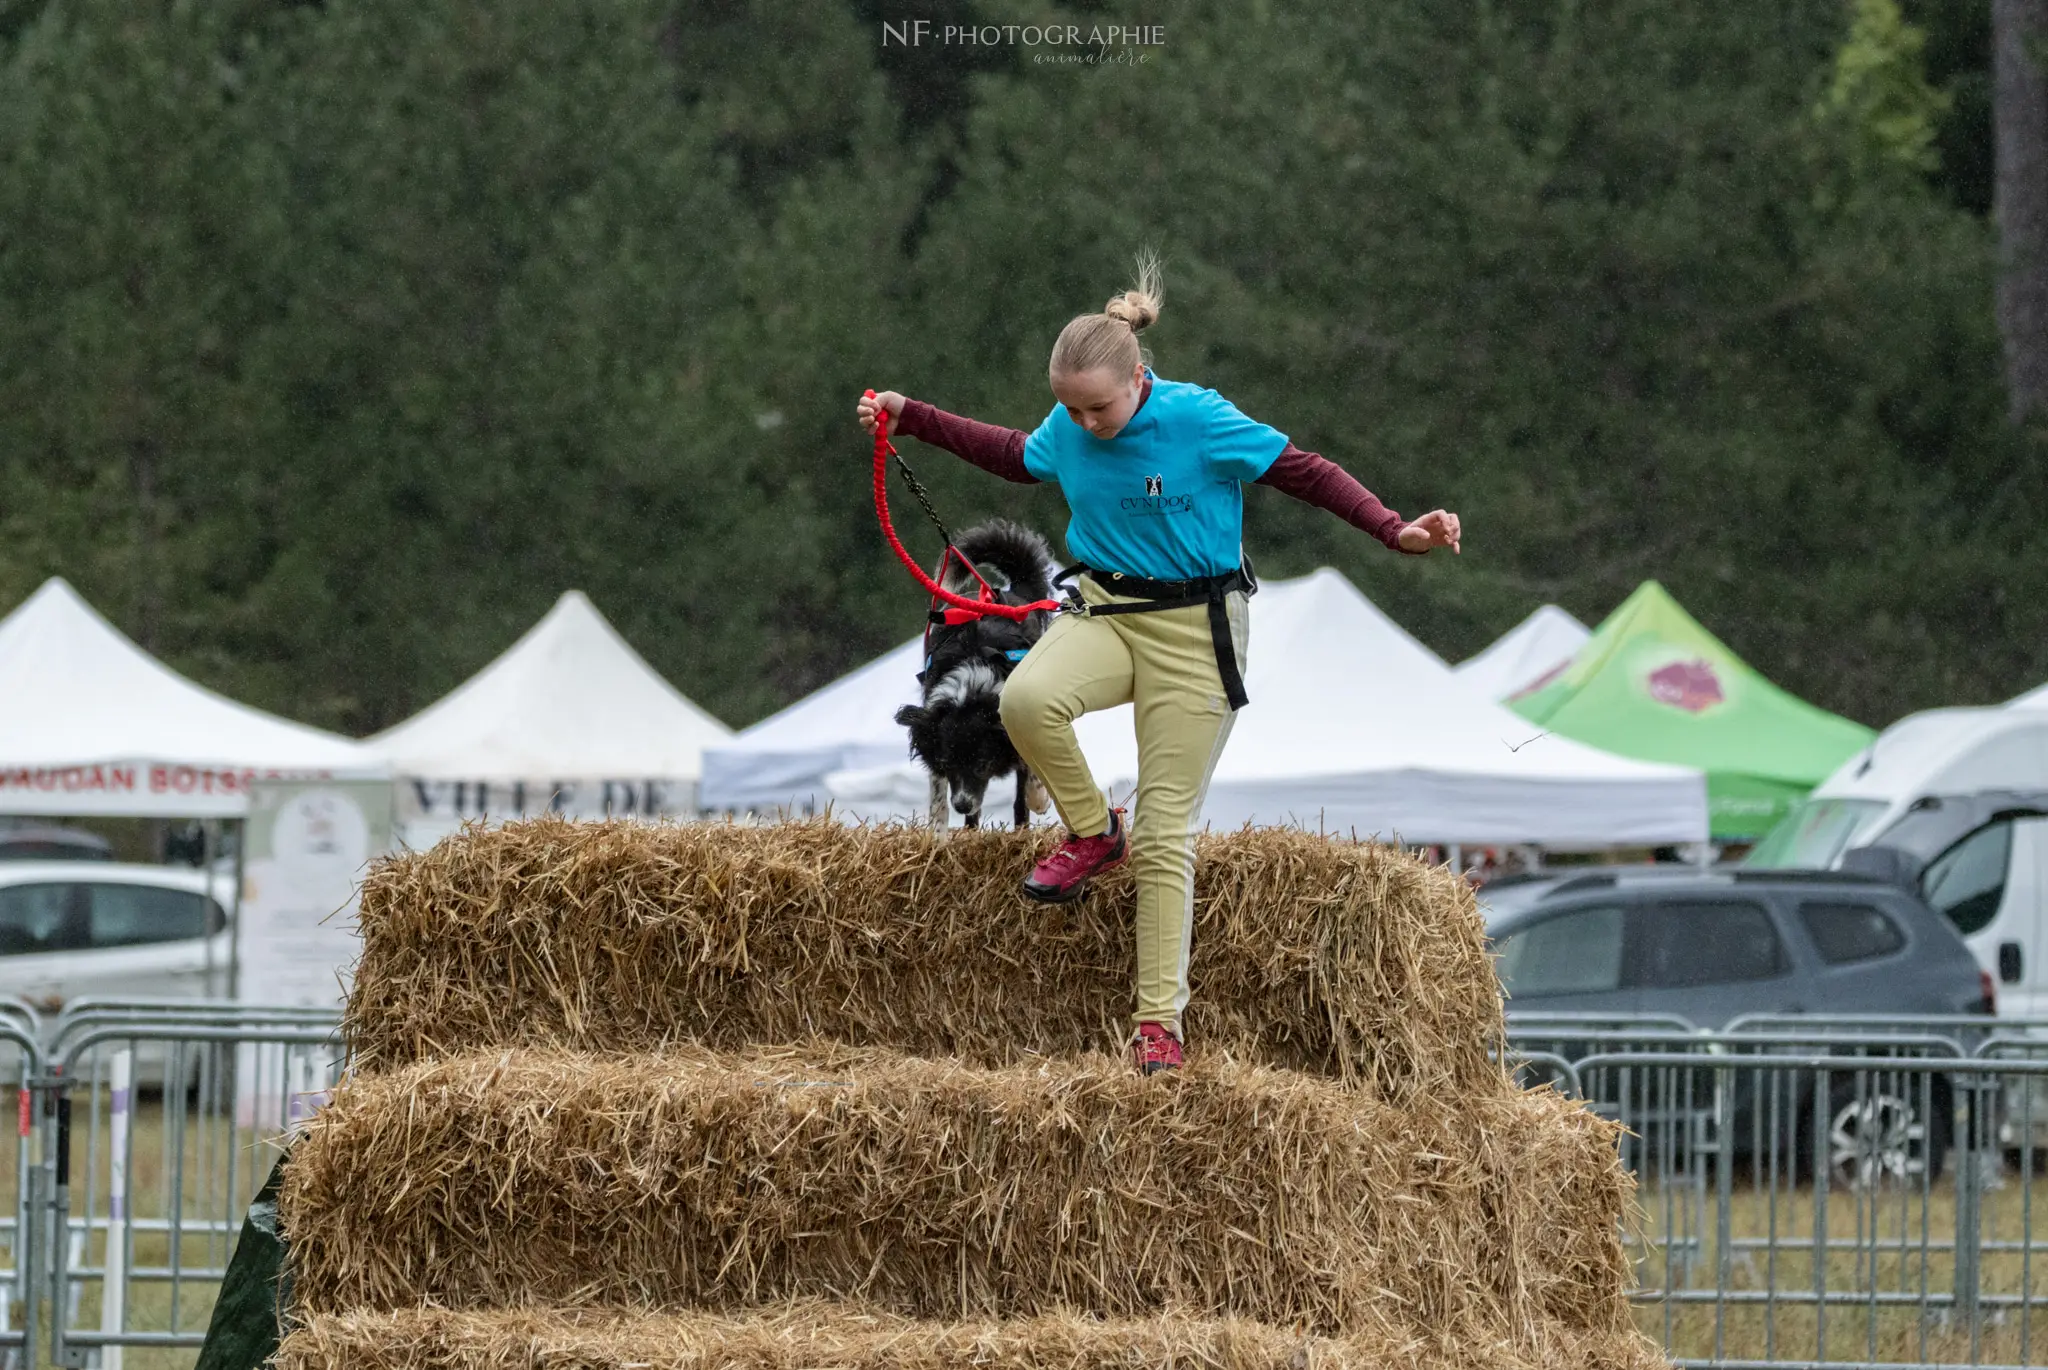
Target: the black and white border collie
(957, 732)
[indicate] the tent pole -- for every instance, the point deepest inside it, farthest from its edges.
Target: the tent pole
(235, 918)
(206, 917)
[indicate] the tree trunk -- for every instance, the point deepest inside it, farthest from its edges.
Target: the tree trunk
(2018, 30)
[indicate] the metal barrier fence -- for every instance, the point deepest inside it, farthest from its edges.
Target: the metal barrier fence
(145, 1128)
(1839, 1191)
(1854, 1190)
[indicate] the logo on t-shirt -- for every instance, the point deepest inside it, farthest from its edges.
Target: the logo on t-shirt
(1155, 485)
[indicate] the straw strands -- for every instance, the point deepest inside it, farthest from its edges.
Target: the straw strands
(805, 1337)
(1338, 958)
(930, 1189)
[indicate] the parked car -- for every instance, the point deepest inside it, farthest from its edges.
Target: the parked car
(1709, 945)
(75, 928)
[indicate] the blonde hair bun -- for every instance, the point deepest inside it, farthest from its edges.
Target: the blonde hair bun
(1139, 306)
(1135, 308)
(1094, 341)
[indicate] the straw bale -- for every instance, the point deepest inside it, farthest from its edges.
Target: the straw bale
(1335, 957)
(701, 1180)
(804, 1337)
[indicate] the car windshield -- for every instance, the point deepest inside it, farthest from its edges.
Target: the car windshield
(1815, 834)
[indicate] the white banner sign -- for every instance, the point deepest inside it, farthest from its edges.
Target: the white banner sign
(309, 843)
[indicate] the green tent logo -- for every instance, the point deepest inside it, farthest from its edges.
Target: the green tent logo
(1688, 685)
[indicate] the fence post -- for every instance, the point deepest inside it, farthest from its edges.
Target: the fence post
(29, 1241)
(1969, 1191)
(58, 1215)
(1723, 1152)
(1823, 1176)
(114, 1286)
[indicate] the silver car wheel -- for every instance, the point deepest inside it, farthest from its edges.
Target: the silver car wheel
(1876, 1139)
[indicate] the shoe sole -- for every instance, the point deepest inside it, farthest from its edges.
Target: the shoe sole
(1039, 894)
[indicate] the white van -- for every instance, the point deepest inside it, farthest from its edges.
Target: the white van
(1993, 885)
(1940, 752)
(1962, 794)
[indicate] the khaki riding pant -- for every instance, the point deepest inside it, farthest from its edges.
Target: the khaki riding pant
(1165, 664)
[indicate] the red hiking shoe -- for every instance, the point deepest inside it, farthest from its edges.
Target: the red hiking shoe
(1064, 874)
(1155, 1049)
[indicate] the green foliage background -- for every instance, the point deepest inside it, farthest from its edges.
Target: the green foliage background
(336, 340)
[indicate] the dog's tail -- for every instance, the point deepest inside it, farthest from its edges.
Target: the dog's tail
(1021, 555)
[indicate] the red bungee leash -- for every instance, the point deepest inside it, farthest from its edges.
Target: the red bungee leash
(969, 608)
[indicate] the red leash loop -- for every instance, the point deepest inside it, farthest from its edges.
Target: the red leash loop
(971, 608)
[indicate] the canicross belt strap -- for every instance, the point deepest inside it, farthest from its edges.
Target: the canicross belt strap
(1160, 595)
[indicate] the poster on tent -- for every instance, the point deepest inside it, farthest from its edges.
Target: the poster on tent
(308, 844)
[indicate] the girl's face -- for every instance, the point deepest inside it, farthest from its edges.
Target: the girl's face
(1100, 401)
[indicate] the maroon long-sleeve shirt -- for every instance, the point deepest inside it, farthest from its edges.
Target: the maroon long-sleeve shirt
(1309, 478)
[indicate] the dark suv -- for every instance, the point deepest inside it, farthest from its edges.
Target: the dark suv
(1709, 945)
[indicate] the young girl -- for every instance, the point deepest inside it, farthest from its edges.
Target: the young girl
(1153, 473)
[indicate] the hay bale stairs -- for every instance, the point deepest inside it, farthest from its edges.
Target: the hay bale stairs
(807, 1095)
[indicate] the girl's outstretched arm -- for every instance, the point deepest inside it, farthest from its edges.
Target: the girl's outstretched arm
(996, 450)
(1319, 481)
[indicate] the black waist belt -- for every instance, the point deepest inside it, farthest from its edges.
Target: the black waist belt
(1160, 595)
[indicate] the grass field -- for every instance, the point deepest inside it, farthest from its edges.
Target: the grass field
(1889, 1273)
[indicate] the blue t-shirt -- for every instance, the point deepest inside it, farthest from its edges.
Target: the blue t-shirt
(1164, 498)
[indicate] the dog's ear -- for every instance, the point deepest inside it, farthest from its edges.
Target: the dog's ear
(923, 731)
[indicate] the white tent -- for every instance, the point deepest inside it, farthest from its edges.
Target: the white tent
(2036, 698)
(1526, 654)
(850, 725)
(92, 724)
(568, 717)
(1353, 725)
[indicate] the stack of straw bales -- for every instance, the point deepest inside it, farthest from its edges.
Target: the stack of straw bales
(809, 1095)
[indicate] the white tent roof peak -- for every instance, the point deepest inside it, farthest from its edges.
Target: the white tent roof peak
(1534, 648)
(571, 698)
(75, 691)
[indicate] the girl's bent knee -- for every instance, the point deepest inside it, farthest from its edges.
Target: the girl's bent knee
(1028, 710)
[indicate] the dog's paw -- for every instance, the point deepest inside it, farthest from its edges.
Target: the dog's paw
(1036, 795)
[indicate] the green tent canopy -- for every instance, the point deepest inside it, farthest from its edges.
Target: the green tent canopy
(1651, 683)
